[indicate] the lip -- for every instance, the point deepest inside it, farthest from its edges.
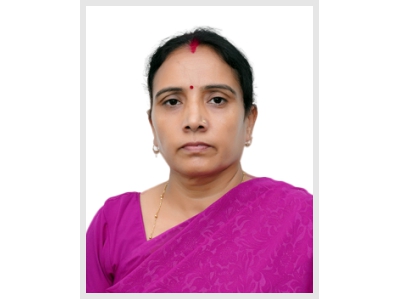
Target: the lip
(195, 147)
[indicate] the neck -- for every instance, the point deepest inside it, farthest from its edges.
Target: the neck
(191, 195)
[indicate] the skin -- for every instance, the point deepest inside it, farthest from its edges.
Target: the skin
(211, 112)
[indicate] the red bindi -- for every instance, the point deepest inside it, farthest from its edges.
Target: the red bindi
(191, 87)
(193, 45)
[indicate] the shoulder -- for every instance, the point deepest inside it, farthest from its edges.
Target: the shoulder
(268, 185)
(286, 206)
(122, 199)
(282, 194)
(118, 215)
(114, 230)
(117, 206)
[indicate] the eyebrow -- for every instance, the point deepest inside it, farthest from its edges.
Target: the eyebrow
(168, 89)
(220, 86)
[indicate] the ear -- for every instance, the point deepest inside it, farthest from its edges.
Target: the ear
(251, 121)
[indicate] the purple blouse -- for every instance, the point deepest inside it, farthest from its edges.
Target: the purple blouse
(257, 238)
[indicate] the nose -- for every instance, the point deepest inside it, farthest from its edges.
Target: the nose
(195, 117)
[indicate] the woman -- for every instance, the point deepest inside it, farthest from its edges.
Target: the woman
(211, 227)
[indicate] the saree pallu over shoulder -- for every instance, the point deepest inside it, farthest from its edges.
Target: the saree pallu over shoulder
(257, 238)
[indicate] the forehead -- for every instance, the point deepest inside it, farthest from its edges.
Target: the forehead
(201, 67)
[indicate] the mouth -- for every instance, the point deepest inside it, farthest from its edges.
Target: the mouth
(195, 147)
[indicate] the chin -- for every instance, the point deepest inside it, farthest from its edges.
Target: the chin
(196, 170)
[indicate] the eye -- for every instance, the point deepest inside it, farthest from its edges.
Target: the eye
(171, 102)
(217, 100)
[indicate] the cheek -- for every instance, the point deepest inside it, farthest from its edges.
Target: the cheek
(164, 134)
(157, 129)
(233, 122)
(230, 131)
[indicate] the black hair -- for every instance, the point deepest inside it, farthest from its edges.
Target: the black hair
(206, 36)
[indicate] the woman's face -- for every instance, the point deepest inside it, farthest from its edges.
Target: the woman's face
(197, 116)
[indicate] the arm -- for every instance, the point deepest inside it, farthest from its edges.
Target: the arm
(98, 279)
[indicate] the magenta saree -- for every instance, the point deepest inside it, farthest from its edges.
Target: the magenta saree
(257, 238)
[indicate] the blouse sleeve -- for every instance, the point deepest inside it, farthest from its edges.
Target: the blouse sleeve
(98, 279)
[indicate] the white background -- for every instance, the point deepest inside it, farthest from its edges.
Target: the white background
(359, 146)
(278, 42)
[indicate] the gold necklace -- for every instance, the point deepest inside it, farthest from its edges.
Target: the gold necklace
(159, 207)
